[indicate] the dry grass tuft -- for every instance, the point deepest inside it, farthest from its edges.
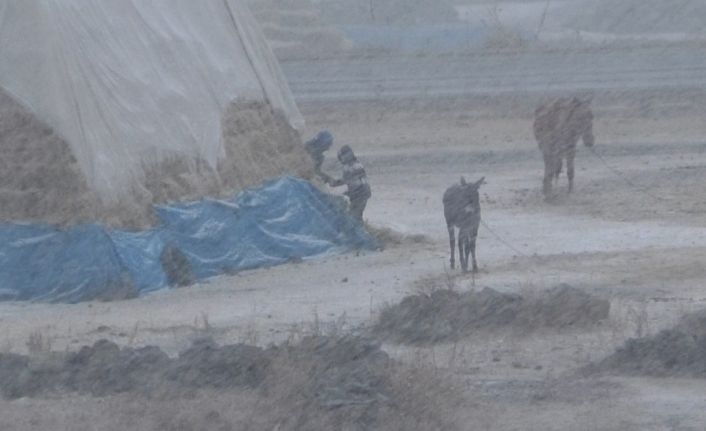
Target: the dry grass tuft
(388, 237)
(38, 344)
(447, 315)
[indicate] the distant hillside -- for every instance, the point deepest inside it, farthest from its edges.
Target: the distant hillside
(639, 16)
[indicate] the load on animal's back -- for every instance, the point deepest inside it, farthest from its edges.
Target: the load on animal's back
(558, 125)
(462, 211)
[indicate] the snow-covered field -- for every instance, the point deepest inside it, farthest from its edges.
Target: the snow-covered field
(633, 232)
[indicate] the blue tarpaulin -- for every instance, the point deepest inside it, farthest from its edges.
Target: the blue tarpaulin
(283, 219)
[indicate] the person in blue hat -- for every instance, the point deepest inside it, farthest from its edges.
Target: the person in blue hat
(317, 146)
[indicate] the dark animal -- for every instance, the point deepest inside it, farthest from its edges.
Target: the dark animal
(558, 125)
(462, 211)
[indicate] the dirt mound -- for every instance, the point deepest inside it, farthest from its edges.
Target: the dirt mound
(319, 383)
(42, 181)
(677, 352)
(105, 368)
(446, 314)
(694, 324)
(345, 370)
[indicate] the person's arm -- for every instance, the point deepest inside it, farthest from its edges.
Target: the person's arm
(334, 182)
(330, 180)
(350, 172)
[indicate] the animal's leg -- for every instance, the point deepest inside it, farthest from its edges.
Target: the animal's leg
(452, 243)
(472, 246)
(557, 172)
(548, 175)
(570, 169)
(462, 254)
(467, 249)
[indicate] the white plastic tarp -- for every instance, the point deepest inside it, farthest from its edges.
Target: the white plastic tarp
(127, 82)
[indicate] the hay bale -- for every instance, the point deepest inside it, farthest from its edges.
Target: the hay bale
(259, 144)
(389, 237)
(177, 267)
(41, 180)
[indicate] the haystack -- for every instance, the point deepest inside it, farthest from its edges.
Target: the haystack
(107, 108)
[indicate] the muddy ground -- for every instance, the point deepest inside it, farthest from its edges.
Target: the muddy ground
(633, 233)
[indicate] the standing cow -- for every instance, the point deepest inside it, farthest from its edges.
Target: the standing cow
(558, 125)
(462, 211)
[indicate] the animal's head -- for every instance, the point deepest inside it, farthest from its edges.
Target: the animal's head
(470, 190)
(583, 118)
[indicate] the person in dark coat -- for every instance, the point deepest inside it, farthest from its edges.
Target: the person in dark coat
(355, 178)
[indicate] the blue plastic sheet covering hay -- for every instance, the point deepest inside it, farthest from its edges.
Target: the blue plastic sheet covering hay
(284, 219)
